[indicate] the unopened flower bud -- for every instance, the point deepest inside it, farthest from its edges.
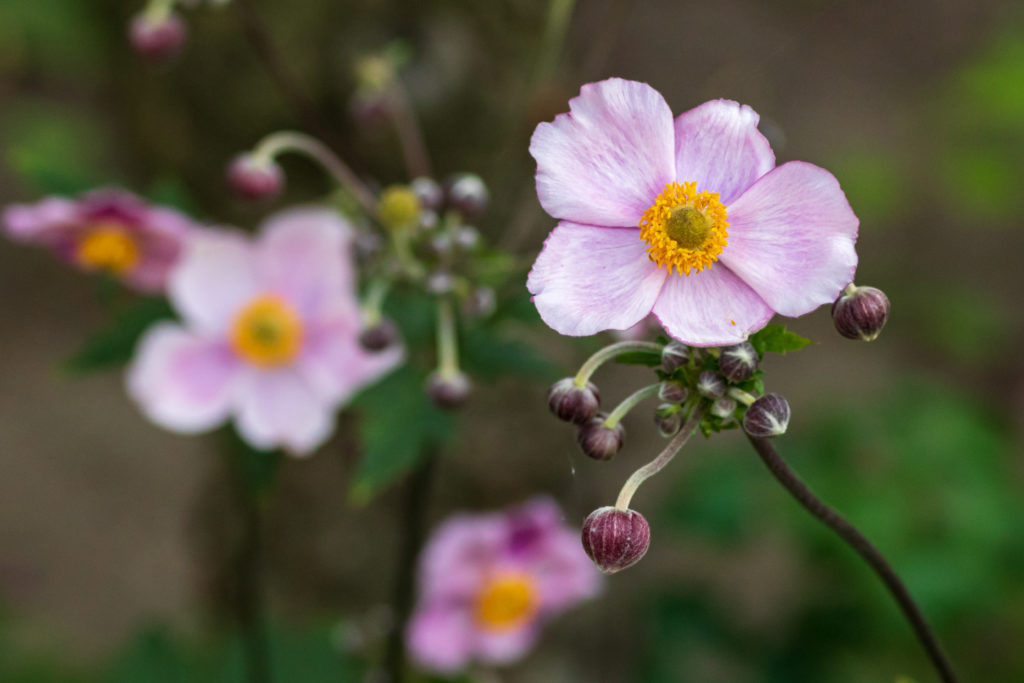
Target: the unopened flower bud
(398, 208)
(467, 194)
(710, 385)
(255, 179)
(448, 390)
(738, 363)
(672, 392)
(669, 419)
(598, 440)
(467, 238)
(767, 416)
(480, 303)
(573, 403)
(440, 282)
(674, 355)
(723, 407)
(615, 539)
(157, 38)
(379, 337)
(428, 192)
(860, 312)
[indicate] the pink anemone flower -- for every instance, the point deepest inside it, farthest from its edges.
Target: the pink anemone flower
(269, 335)
(109, 230)
(688, 218)
(489, 582)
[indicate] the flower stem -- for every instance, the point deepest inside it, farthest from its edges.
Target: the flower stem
(609, 352)
(374, 301)
(664, 458)
(630, 402)
(863, 547)
(158, 10)
(447, 343)
(743, 397)
(290, 141)
(410, 136)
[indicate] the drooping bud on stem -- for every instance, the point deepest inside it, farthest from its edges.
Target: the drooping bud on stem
(599, 440)
(615, 539)
(738, 363)
(379, 336)
(255, 178)
(573, 403)
(449, 390)
(157, 36)
(672, 392)
(767, 416)
(860, 312)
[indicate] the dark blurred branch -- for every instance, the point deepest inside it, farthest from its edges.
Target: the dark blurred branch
(863, 547)
(413, 531)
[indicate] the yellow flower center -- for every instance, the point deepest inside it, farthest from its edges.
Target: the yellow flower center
(685, 229)
(107, 246)
(506, 602)
(267, 332)
(398, 207)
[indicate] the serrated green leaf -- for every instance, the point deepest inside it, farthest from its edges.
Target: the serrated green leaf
(777, 339)
(399, 425)
(648, 358)
(113, 346)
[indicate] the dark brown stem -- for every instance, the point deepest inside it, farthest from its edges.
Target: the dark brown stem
(414, 514)
(856, 540)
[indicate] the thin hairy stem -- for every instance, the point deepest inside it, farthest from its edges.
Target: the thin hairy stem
(630, 402)
(607, 353)
(856, 540)
(663, 459)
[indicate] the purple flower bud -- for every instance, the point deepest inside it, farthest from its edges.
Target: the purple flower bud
(710, 385)
(615, 539)
(573, 403)
(672, 392)
(448, 390)
(599, 441)
(767, 416)
(738, 363)
(255, 179)
(723, 407)
(674, 355)
(467, 194)
(429, 192)
(860, 312)
(157, 39)
(379, 337)
(669, 419)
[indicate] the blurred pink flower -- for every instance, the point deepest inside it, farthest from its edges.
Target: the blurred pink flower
(269, 335)
(108, 230)
(739, 238)
(489, 582)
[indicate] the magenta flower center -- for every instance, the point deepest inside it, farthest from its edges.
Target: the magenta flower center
(267, 332)
(506, 602)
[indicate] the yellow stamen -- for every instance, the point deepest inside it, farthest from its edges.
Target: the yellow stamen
(267, 332)
(685, 229)
(107, 246)
(506, 602)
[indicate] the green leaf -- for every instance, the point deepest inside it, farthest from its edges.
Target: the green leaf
(648, 358)
(113, 346)
(399, 426)
(777, 339)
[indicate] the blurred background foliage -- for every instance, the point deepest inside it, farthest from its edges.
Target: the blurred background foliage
(109, 526)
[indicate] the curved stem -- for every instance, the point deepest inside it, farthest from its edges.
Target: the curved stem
(290, 141)
(447, 345)
(629, 403)
(609, 352)
(833, 520)
(664, 458)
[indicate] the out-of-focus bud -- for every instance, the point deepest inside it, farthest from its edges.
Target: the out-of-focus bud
(480, 303)
(398, 208)
(467, 238)
(615, 539)
(767, 416)
(255, 179)
(429, 219)
(440, 282)
(738, 363)
(573, 403)
(379, 337)
(723, 407)
(599, 441)
(710, 385)
(369, 109)
(157, 37)
(449, 390)
(674, 355)
(669, 419)
(467, 194)
(860, 312)
(672, 392)
(428, 192)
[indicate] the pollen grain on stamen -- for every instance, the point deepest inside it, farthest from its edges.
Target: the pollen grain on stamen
(685, 229)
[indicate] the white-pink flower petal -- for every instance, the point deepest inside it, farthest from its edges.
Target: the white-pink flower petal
(791, 238)
(605, 161)
(277, 408)
(588, 279)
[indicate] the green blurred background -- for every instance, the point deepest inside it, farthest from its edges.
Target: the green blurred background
(112, 532)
